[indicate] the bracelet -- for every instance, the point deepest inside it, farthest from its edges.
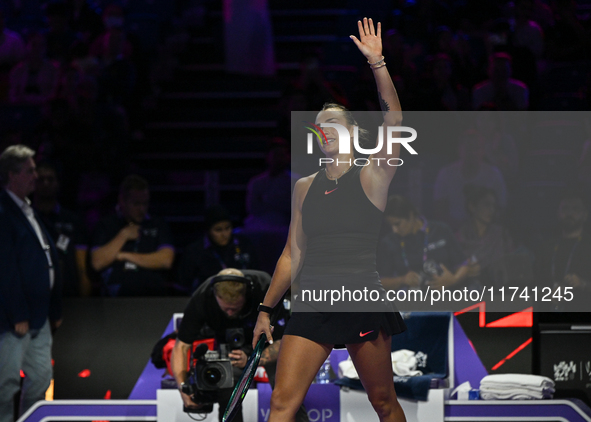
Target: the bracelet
(263, 308)
(378, 62)
(377, 67)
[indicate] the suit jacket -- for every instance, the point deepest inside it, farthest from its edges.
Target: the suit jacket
(25, 293)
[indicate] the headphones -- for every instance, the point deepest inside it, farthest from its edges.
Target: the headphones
(246, 280)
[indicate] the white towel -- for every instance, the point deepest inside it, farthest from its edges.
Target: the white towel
(516, 387)
(504, 387)
(517, 380)
(515, 394)
(347, 369)
(404, 363)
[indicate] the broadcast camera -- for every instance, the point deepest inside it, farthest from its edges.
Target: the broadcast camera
(235, 338)
(210, 371)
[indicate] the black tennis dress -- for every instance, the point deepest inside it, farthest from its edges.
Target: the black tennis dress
(342, 228)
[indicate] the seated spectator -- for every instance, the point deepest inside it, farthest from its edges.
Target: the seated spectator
(268, 203)
(416, 252)
(440, 91)
(12, 51)
(219, 249)
(481, 238)
(35, 79)
(317, 89)
(84, 19)
(293, 98)
(502, 38)
(448, 191)
(507, 93)
(117, 73)
(567, 39)
(564, 261)
(542, 14)
(268, 198)
(62, 140)
(82, 61)
(459, 49)
(500, 148)
(248, 35)
(585, 160)
(124, 66)
(527, 32)
(66, 229)
(82, 66)
(113, 20)
(397, 53)
(60, 36)
(131, 249)
(12, 46)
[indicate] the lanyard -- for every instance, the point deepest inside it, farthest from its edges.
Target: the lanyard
(237, 255)
(425, 230)
(568, 262)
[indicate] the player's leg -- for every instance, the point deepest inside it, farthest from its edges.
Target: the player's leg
(271, 368)
(374, 366)
(297, 365)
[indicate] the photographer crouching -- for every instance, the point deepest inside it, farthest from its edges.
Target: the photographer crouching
(223, 307)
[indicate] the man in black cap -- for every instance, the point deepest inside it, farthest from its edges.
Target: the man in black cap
(219, 248)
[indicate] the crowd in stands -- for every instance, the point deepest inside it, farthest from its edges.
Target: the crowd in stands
(90, 77)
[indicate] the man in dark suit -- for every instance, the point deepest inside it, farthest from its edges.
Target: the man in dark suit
(30, 304)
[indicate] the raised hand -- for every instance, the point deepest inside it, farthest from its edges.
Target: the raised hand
(370, 40)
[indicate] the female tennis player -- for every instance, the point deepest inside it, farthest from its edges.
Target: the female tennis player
(336, 218)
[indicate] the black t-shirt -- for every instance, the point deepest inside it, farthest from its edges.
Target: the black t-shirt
(558, 258)
(127, 279)
(442, 247)
(203, 312)
(203, 259)
(69, 235)
(564, 256)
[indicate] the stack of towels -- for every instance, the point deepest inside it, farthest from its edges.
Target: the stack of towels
(516, 387)
(404, 363)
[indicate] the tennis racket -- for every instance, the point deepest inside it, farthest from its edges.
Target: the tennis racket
(245, 380)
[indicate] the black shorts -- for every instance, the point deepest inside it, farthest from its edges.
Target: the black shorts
(340, 328)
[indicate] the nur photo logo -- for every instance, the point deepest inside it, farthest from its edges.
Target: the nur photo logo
(345, 142)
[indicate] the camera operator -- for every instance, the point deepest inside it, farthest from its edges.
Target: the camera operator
(417, 252)
(217, 306)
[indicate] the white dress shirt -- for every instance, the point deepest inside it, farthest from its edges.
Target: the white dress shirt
(27, 210)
